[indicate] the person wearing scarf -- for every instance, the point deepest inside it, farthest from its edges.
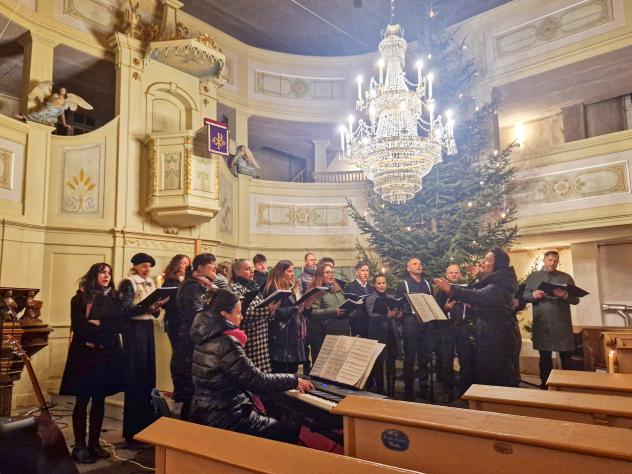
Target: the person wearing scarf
(139, 349)
(255, 322)
(497, 334)
(325, 318)
(95, 365)
(227, 383)
(192, 297)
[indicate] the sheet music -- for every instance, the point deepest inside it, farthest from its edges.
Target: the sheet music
(323, 356)
(337, 357)
(425, 307)
(357, 361)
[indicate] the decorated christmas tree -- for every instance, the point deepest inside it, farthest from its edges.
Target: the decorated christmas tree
(462, 209)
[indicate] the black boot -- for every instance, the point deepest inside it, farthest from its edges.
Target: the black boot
(81, 454)
(98, 452)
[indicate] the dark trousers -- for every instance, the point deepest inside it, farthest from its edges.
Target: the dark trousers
(456, 337)
(546, 363)
(377, 374)
(140, 376)
(418, 345)
(284, 367)
(80, 420)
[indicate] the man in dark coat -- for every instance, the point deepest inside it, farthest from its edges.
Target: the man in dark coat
(418, 336)
(359, 320)
(261, 269)
(552, 325)
(455, 334)
(497, 334)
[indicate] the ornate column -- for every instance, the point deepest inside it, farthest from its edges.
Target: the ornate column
(38, 64)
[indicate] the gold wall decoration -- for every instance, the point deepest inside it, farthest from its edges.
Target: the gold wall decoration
(202, 173)
(171, 171)
(270, 214)
(574, 184)
(300, 88)
(581, 16)
(100, 14)
(188, 168)
(6, 168)
(83, 175)
(154, 164)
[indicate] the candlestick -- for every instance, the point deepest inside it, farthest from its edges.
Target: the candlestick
(431, 107)
(342, 138)
(380, 64)
(430, 79)
(420, 66)
(359, 81)
(611, 362)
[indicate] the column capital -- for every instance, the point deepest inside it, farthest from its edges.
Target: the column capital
(35, 37)
(321, 143)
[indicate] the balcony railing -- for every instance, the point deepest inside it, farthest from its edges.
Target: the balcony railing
(338, 176)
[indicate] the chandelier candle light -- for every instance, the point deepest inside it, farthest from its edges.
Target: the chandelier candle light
(403, 139)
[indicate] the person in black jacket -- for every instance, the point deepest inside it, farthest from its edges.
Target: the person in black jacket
(497, 333)
(227, 383)
(261, 269)
(95, 366)
(174, 275)
(418, 336)
(360, 287)
(455, 334)
(191, 299)
(382, 327)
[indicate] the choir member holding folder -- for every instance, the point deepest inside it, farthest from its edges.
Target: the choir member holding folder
(139, 347)
(498, 336)
(256, 314)
(287, 330)
(552, 292)
(326, 315)
(384, 321)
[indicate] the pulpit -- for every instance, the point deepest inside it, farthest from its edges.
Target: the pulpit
(19, 318)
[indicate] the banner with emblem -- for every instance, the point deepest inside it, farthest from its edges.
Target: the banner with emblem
(217, 136)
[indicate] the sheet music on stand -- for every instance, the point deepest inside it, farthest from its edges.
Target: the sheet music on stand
(347, 360)
(425, 307)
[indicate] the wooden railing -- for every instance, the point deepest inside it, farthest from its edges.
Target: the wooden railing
(338, 176)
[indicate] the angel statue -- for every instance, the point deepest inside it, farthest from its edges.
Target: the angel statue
(51, 106)
(245, 162)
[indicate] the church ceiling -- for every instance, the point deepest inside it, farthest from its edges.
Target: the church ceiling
(327, 27)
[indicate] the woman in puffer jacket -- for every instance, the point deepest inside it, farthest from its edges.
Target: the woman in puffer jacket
(227, 384)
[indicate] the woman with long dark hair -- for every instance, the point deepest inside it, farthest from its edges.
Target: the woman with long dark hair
(95, 364)
(255, 322)
(287, 330)
(497, 332)
(173, 276)
(227, 383)
(325, 316)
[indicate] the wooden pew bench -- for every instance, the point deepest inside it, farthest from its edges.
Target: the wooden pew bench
(590, 382)
(444, 440)
(608, 410)
(183, 447)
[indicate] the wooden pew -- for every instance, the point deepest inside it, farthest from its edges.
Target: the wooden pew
(608, 410)
(624, 354)
(610, 341)
(183, 447)
(592, 345)
(590, 382)
(444, 440)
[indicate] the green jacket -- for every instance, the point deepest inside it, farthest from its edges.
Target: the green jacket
(552, 325)
(323, 314)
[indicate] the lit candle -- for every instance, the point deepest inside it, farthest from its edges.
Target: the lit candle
(430, 79)
(420, 66)
(350, 119)
(359, 81)
(611, 362)
(380, 64)
(431, 107)
(342, 138)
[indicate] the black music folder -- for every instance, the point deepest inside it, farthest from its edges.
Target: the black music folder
(312, 293)
(105, 307)
(384, 305)
(160, 294)
(278, 295)
(573, 290)
(350, 305)
(425, 307)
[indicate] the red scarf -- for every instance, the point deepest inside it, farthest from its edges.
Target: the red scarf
(237, 334)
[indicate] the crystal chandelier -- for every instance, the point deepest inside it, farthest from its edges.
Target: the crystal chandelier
(404, 139)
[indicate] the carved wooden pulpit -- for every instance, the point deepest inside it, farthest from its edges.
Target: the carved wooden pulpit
(19, 317)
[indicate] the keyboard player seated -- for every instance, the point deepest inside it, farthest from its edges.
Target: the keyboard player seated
(227, 384)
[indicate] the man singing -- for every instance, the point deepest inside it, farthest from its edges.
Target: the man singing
(552, 325)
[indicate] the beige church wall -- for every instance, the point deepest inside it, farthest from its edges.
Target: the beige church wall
(538, 135)
(527, 37)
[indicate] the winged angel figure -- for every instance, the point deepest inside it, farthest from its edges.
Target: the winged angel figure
(51, 106)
